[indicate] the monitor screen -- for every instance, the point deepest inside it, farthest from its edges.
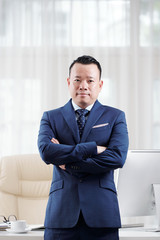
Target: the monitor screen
(135, 190)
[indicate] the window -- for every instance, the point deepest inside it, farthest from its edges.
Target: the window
(40, 38)
(149, 23)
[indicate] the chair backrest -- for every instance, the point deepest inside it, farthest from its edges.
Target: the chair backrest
(24, 187)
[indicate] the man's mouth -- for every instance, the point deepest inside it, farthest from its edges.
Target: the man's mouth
(83, 94)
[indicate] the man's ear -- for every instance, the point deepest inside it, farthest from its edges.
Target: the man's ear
(68, 81)
(101, 84)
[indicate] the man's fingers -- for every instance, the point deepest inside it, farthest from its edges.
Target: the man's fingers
(63, 167)
(101, 149)
(54, 140)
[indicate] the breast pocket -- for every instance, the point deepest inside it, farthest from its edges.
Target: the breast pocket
(100, 135)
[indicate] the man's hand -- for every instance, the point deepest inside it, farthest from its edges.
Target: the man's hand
(63, 167)
(55, 141)
(101, 149)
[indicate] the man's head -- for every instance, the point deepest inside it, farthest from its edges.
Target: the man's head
(84, 80)
(86, 60)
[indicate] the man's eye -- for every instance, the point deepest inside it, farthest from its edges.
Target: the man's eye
(90, 81)
(76, 80)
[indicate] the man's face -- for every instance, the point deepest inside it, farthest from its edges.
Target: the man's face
(84, 84)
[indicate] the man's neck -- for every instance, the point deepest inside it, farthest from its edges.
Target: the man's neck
(75, 106)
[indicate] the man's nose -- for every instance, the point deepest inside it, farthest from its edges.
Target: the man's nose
(83, 85)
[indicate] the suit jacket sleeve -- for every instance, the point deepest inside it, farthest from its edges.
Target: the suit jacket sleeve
(59, 154)
(112, 158)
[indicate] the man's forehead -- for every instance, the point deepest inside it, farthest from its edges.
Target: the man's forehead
(89, 69)
(87, 66)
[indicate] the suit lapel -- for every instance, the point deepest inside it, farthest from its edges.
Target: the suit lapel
(93, 117)
(69, 117)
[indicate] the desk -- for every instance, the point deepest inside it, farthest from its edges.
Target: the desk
(125, 234)
(31, 235)
(138, 234)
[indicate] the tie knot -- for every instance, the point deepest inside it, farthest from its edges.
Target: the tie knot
(82, 112)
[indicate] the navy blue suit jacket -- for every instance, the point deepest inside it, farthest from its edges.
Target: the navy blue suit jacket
(87, 183)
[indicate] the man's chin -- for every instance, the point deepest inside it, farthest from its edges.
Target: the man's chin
(83, 104)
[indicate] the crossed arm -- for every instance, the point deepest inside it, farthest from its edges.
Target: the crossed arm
(84, 157)
(100, 149)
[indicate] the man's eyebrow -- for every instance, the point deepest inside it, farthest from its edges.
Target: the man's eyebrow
(89, 77)
(77, 76)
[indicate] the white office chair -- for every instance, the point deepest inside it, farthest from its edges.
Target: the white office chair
(24, 187)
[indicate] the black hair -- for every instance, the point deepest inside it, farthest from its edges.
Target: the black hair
(86, 60)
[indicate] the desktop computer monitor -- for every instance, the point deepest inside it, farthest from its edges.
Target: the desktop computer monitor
(136, 192)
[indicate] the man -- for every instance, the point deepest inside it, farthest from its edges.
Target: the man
(85, 141)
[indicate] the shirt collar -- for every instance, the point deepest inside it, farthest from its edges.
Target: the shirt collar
(76, 107)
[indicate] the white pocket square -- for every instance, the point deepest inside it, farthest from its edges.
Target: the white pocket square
(100, 125)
